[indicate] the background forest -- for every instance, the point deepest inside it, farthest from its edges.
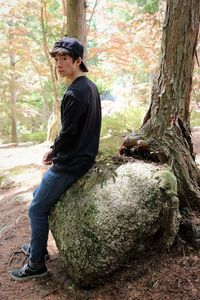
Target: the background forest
(123, 44)
(123, 47)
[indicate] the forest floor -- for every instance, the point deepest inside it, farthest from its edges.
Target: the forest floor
(164, 276)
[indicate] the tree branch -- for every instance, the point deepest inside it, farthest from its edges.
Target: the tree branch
(92, 14)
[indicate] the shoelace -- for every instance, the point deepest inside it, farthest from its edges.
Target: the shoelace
(23, 270)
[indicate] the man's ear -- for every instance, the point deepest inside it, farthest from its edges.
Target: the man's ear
(79, 61)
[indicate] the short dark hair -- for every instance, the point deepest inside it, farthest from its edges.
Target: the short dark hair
(69, 53)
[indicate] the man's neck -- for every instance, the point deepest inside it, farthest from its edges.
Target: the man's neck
(76, 75)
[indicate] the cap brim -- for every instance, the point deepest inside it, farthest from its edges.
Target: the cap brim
(84, 68)
(60, 51)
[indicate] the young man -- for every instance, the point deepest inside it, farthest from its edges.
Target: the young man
(72, 154)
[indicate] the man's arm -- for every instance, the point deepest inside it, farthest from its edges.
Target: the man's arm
(73, 112)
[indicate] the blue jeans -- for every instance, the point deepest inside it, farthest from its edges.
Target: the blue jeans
(52, 186)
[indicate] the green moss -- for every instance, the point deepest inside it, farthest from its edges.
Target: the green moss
(153, 198)
(167, 181)
(92, 242)
(89, 213)
(95, 229)
(99, 174)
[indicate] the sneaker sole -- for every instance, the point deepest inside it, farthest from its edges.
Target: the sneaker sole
(29, 277)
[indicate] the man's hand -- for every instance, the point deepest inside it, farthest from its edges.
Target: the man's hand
(47, 158)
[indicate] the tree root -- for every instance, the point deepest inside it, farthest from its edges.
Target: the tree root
(12, 256)
(173, 148)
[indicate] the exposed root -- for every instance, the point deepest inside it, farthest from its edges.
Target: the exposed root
(134, 145)
(173, 148)
(12, 256)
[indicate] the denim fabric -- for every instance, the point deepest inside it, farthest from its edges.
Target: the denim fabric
(52, 186)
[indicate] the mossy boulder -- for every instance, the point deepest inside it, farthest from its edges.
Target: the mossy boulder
(99, 227)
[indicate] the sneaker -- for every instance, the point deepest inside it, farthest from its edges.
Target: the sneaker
(26, 273)
(26, 250)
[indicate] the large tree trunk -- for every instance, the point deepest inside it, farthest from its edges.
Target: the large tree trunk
(13, 87)
(75, 12)
(76, 19)
(165, 135)
(54, 120)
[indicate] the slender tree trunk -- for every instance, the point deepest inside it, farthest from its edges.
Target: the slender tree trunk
(13, 87)
(91, 16)
(54, 120)
(39, 72)
(76, 19)
(64, 29)
(165, 135)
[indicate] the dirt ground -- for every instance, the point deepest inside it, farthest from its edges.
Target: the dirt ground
(172, 275)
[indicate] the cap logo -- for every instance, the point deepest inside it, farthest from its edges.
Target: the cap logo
(60, 45)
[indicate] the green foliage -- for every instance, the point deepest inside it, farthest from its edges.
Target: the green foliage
(109, 147)
(195, 118)
(122, 122)
(115, 127)
(113, 124)
(148, 6)
(141, 76)
(38, 137)
(5, 128)
(102, 84)
(54, 6)
(121, 45)
(31, 71)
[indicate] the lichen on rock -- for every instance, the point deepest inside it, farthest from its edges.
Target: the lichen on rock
(99, 227)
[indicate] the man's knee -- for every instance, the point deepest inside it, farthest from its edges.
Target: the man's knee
(32, 212)
(37, 210)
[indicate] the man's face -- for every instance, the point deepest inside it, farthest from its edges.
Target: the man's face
(65, 65)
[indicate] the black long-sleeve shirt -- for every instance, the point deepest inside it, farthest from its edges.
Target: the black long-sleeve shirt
(76, 146)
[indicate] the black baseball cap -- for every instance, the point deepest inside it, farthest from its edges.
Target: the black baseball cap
(67, 45)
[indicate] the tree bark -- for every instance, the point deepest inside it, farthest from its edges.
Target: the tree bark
(54, 120)
(76, 20)
(165, 135)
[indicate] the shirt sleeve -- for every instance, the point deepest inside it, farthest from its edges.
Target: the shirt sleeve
(73, 111)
